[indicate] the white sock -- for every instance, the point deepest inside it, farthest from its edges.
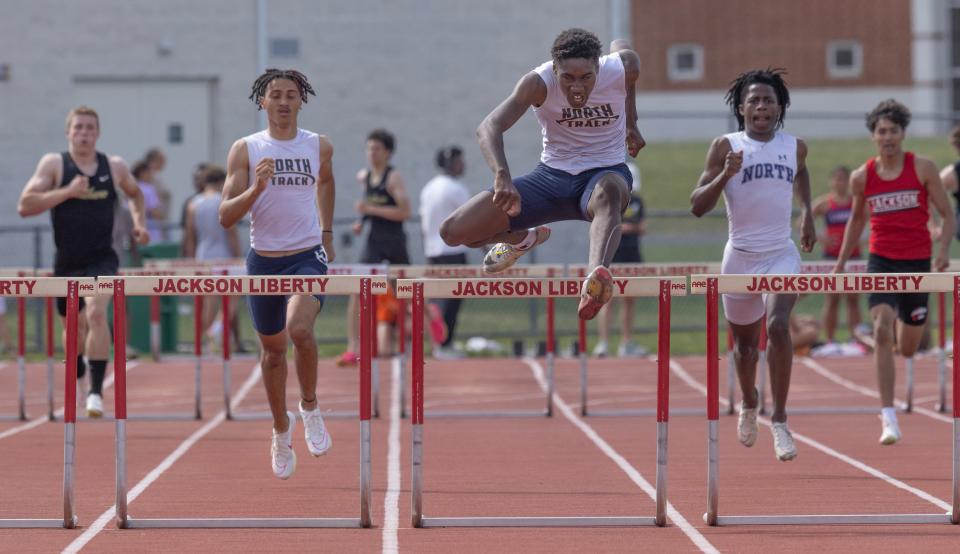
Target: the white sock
(528, 241)
(889, 414)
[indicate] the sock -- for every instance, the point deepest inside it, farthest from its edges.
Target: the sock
(81, 367)
(889, 414)
(528, 241)
(98, 368)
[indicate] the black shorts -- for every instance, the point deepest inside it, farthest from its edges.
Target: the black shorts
(385, 249)
(106, 265)
(911, 308)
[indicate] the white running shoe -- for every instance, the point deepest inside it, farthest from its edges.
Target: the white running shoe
(281, 450)
(318, 439)
(504, 254)
(891, 431)
(94, 405)
(631, 349)
(747, 428)
(783, 445)
(600, 349)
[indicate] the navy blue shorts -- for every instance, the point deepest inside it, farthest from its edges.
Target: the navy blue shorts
(270, 312)
(548, 194)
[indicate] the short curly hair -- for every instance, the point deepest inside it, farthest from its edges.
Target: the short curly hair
(889, 109)
(576, 43)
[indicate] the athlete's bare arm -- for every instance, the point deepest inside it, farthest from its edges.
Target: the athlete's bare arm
(821, 205)
(326, 196)
(948, 176)
(631, 69)
(190, 233)
(722, 163)
(530, 91)
(397, 188)
(801, 184)
(42, 193)
(125, 180)
(858, 217)
(238, 196)
(928, 174)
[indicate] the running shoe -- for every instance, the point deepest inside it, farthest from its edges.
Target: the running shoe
(601, 349)
(630, 349)
(348, 358)
(503, 254)
(318, 439)
(283, 457)
(783, 445)
(747, 428)
(597, 291)
(94, 405)
(438, 327)
(891, 431)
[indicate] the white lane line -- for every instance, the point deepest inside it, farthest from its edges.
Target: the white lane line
(846, 383)
(36, 422)
(689, 530)
(689, 380)
(391, 503)
(166, 464)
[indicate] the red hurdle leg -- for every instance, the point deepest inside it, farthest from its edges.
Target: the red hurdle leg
(155, 327)
(713, 402)
(367, 340)
(198, 353)
(22, 358)
(70, 405)
(416, 404)
(551, 354)
(663, 398)
(582, 344)
(955, 514)
(942, 358)
(120, 396)
(50, 352)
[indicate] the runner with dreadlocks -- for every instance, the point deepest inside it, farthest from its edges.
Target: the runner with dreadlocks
(586, 105)
(283, 176)
(758, 170)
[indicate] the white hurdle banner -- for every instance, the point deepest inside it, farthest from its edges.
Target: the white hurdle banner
(366, 287)
(714, 285)
(72, 289)
(419, 290)
(460, 271)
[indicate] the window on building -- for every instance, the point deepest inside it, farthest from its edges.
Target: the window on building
(284, 48)
(844, 59)
(685, 62)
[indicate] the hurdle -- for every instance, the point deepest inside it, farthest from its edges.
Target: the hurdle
(237, 286)
(21, 413)
(421, 289)
(341, 270)
(51, 287)
(472, 271)
(678, 269)
(713, 285)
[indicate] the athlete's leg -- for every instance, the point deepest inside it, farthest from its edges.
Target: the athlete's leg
(302, 314)
(626, 320)
(609, 197)
(831, 305)
(746, 342)
(479, 222)
(853, 312)
(909, 338)
(273, 367)
(779, 351)
(98, 340)
(883, 332)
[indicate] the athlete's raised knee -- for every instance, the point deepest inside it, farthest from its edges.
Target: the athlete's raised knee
(450, 232)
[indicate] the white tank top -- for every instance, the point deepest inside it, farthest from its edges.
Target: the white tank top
(284, 217)
(578, 139)
(759, 197)
(212, 241)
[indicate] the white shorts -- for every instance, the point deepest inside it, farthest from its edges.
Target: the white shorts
(744, 309)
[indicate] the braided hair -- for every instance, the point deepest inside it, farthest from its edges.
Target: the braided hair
(259, 89)
(769, 76)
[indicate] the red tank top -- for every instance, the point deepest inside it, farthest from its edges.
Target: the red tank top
(836, 219)
(898, 213)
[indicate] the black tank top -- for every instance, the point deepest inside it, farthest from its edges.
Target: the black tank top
(83, 227)
(378, 195)
(956, 195)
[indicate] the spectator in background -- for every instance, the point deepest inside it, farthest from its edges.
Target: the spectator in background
(439, 198)
(386, 206)
(632, 226)
(5, 345)
(156, 161)
(151, 200)
(835, 208)
(124, 243)
(199, 177)
(205, 239)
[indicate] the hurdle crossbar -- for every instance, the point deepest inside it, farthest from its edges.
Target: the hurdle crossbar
(678, 269)
(419, 290)
(441, 271)
(714, 285)
(247, 285)
(72, 289)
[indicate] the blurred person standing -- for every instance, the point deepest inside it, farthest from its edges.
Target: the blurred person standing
(156, 161)
(78, 188)
(199, 182)
(440, 197)
(205, 239)
(151, 199)
(632, 227)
